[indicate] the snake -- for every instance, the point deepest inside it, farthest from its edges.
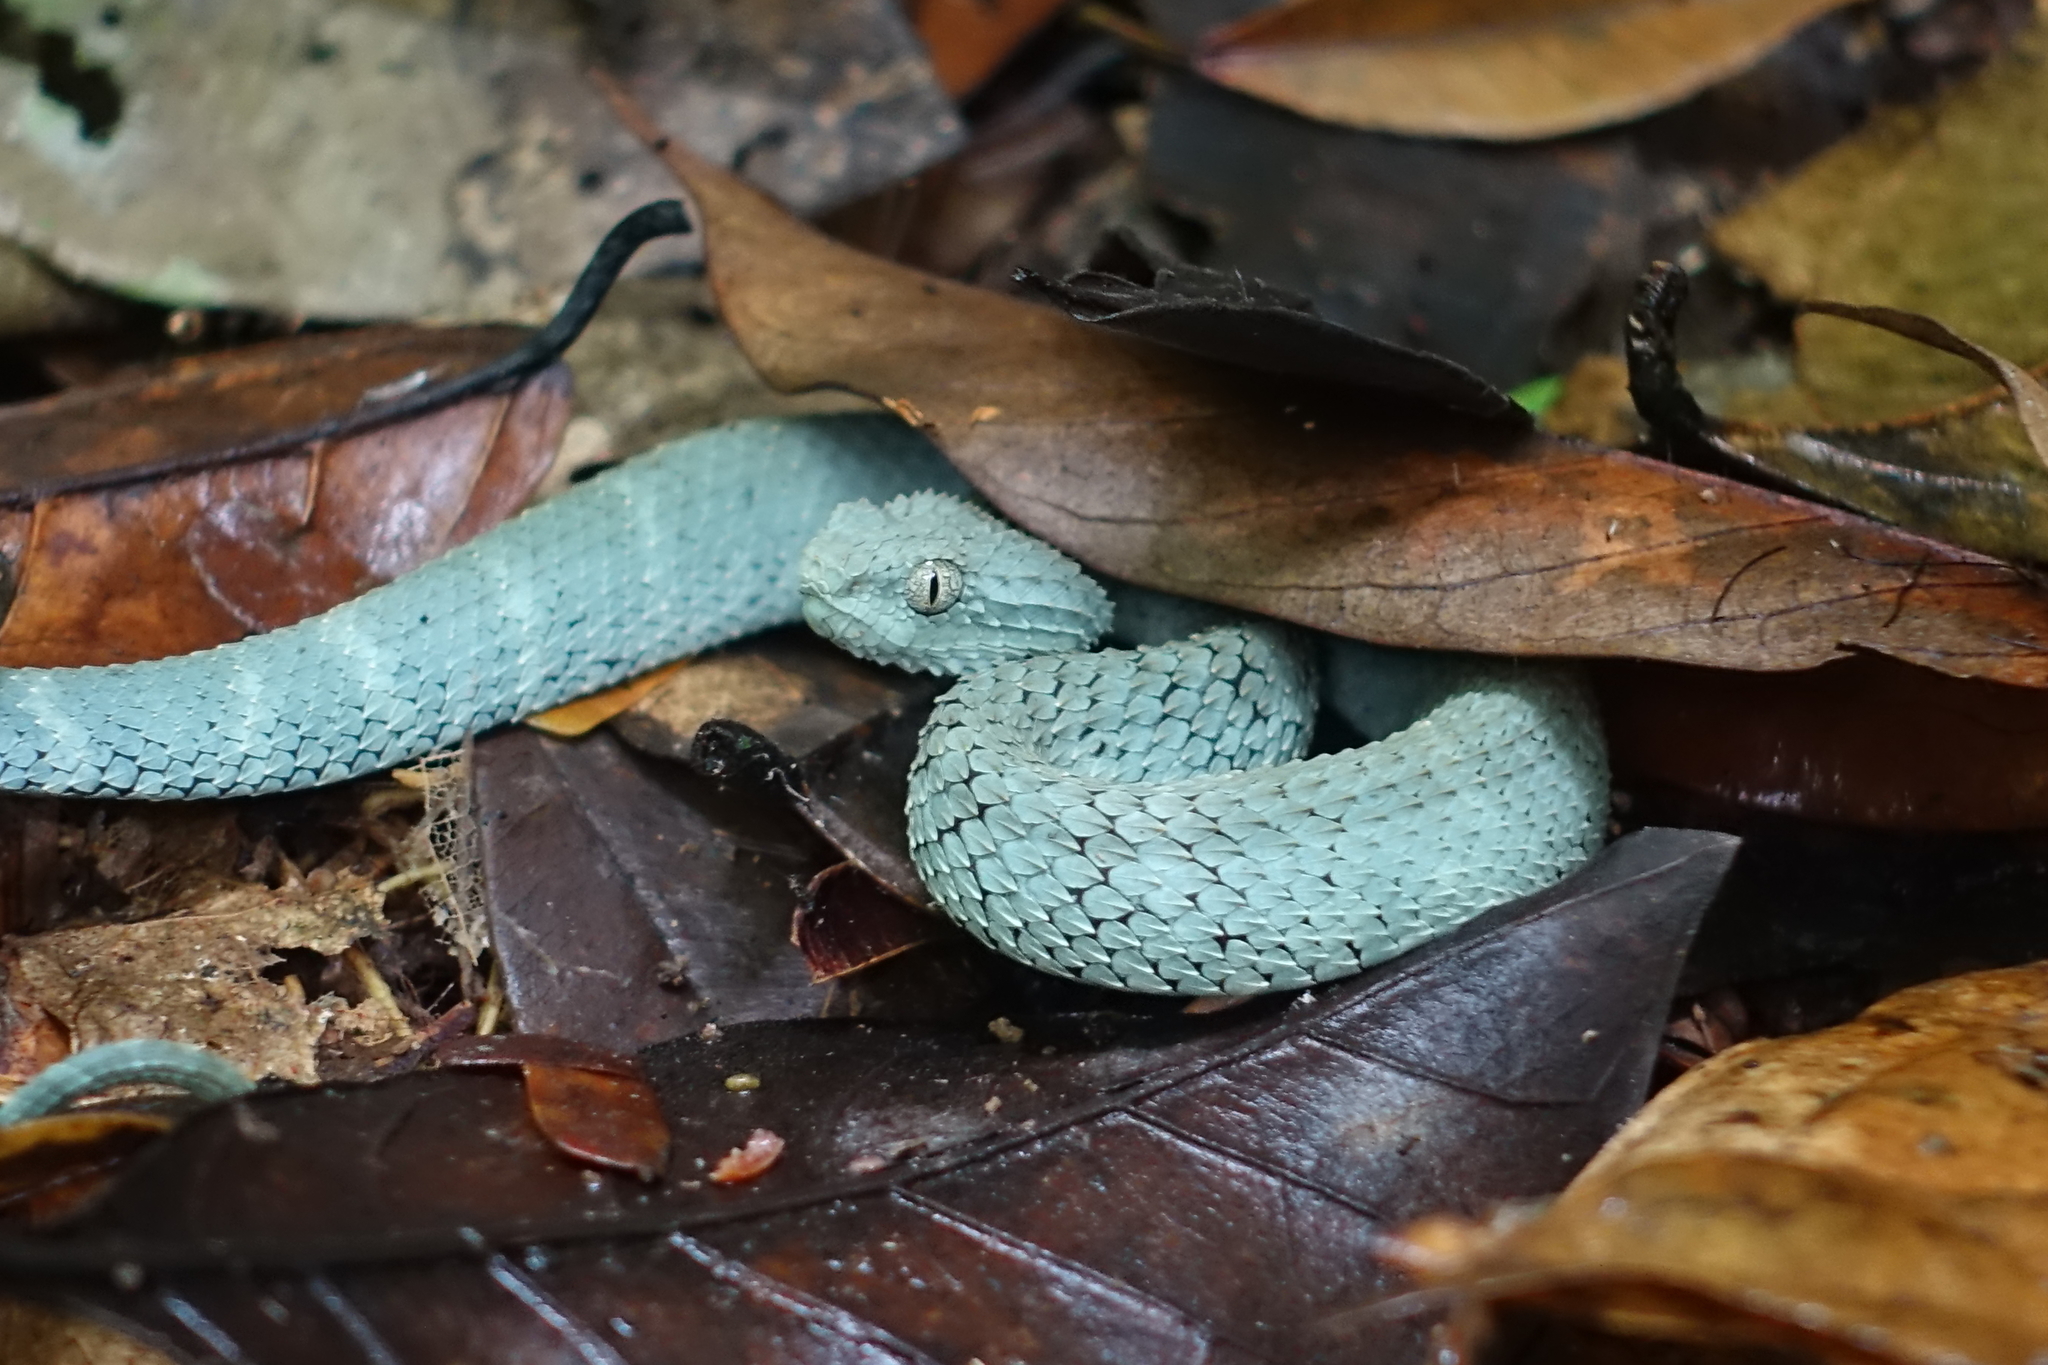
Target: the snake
(1148, 819)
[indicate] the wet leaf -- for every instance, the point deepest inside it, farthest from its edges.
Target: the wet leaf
(1869, 1193)
(1861, 741)
(968, 39)
(593, 1106)
(177, 563)
(1223, 316)
(847, 921)
(1875, 219)
(1393, 523)
(1115, 1188)
(1494, 69)
(816, 101)
(1975, 474)
(50, 1167)
(633, 901)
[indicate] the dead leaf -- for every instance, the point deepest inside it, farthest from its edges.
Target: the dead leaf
(847, 921)
(1881, 219)
(595, 1106)
(1150, 1188)
(1974, 474)
(1861, 741)
(968, 39)
(1494, 69)
(198, 976)
(1873, 1192)
(182, 563)
(1398, 525)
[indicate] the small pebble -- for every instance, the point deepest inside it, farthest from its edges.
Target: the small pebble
(741, 1080)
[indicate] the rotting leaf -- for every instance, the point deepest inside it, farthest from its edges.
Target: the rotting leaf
(198, 976)
(1975, 474)
(1502, 70)
(632, 901)
(1862, 741)
(848, 921)
(1870, 1193)
(1119, 1188)
(51, 1166)
(595, 1106)
(968, 39)
(1393, 523)
(1224, 316)
(192, 560)
(1939, 210)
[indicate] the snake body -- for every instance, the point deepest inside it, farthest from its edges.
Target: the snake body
(1139, 818)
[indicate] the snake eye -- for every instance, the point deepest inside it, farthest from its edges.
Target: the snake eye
(934, 586)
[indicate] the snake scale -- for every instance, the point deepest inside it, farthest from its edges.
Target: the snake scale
(1142, 819)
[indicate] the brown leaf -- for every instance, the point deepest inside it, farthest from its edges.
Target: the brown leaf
(1974, 474)
(1937, 208)
(847, 921)
(197, 976)
(969, 39)
(1400, 526)
(191, 560)
(1116, 1188)
(1873, 1192)
(1861, 741)
(49, 1167)
(633, 901)
(593, 1106)
(1505, 70)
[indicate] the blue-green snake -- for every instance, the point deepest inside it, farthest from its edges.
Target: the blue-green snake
(1139, 819)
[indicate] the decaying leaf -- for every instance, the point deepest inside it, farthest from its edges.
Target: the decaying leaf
(1861, 741)
(1975, 474)
(968, 39)
(181, 563)
(633, 901)
(1938, 210)
(1397, 524)
(1870, 1193)
(595, 1106)
(1117, 1187)
(198, 976)
(1505, 70)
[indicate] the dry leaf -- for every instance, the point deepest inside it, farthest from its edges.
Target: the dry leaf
(1873, 1192)
(197, 976)
(1504, 70)
(1399, 525)
(1941, 211)
(969, 39)
(182, 562)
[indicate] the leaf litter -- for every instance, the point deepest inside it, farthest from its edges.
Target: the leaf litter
(606, 811)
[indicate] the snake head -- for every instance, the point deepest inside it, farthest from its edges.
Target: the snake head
(929, 583)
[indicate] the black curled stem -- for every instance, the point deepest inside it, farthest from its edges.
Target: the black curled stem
(1673, 415)
(663, 218)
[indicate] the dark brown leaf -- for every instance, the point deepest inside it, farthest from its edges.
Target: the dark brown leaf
(632, 901)
(1974, 474)
(1304, 502)
(848, 920)
(1116, 1189)
(594, 1106)
(188, 561)
(1862, 741)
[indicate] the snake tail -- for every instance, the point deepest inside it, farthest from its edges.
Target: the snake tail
(206, 1076)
